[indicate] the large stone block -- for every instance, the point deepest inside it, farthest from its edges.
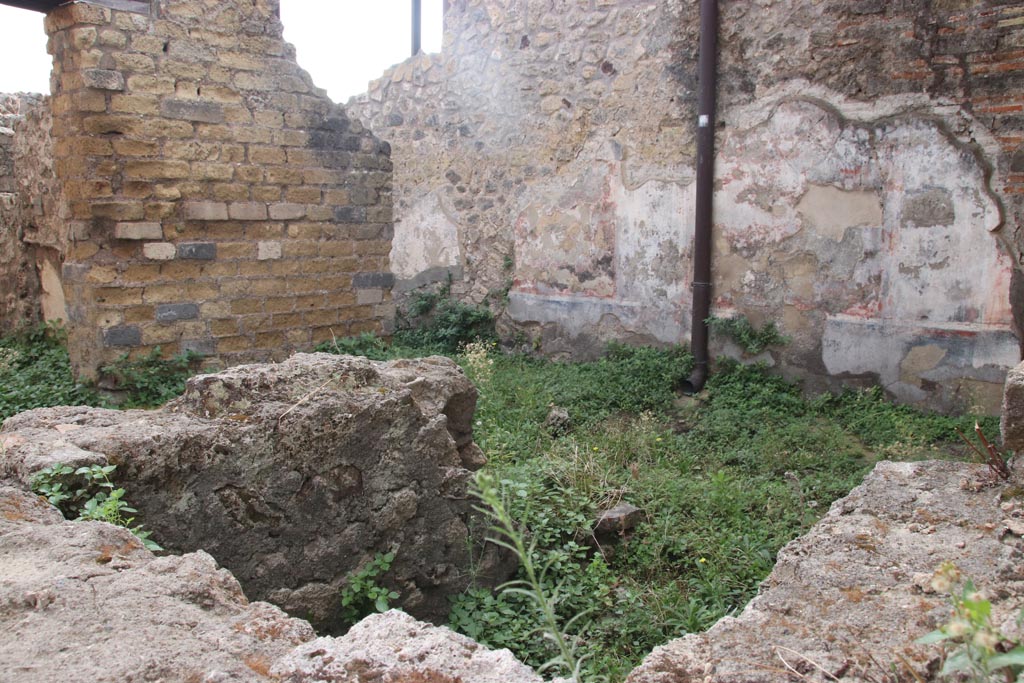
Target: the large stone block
(395, 647)
(855, 591)
(294, 475)
(62, 579)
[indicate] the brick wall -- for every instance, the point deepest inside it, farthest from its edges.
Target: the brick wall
(213, 198)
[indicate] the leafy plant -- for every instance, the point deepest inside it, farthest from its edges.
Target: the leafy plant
(67, 488)
(362, 595)
(88, 493)
(532, 587)
(435, 321)
(878, 422)
(979, 649)
(750, 339)
(629, 379)
(151, 380)
(366, 344)
(35, 371)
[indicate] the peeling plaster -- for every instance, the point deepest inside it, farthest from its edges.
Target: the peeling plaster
(898, 356)
(425, 238)
(817, 219)
(827, 207)
(52, 301)
(654, 236)
(829, 211)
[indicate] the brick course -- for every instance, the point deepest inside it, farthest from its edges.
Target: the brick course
(198, 164)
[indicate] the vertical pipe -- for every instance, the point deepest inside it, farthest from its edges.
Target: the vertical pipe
(417, 24)
(706, 90)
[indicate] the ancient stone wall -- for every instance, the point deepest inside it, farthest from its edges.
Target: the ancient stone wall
(869, 190)
(19, 281)
(211, 197)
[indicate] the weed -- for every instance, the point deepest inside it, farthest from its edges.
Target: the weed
(979, 650)
(533, 586)
(88, 493)
(67, 489)
(750, 339)
(362, 595)
(366, 344)
(723, 484)
(878, 422)
(996, 461)
(8, 357)
(435, 321)
(151, 380)
(35, 372)
(629, 379)
(478, 360)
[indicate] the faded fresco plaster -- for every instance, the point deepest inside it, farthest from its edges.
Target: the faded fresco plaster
(614, 249)
(860, 239)
(868, 242)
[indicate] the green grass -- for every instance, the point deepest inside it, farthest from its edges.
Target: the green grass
(724, 483)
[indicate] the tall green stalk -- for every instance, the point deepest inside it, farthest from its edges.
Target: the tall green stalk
(532, 586)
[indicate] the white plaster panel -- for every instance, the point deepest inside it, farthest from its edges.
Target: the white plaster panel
(425, 238)
(939, 273)
(654, 234)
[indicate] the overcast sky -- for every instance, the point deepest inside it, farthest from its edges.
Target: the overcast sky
(343, 44)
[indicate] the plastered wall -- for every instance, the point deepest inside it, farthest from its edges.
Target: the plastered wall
(868, 198)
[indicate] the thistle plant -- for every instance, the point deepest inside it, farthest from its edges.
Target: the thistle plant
(979, 650)
(532, 585)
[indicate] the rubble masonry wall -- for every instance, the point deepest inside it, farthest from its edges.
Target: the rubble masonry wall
(869, 193)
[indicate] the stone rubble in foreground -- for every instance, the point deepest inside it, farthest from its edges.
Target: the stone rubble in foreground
(84, 601)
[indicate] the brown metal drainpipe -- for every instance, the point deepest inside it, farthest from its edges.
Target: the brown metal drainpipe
(706, 88)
